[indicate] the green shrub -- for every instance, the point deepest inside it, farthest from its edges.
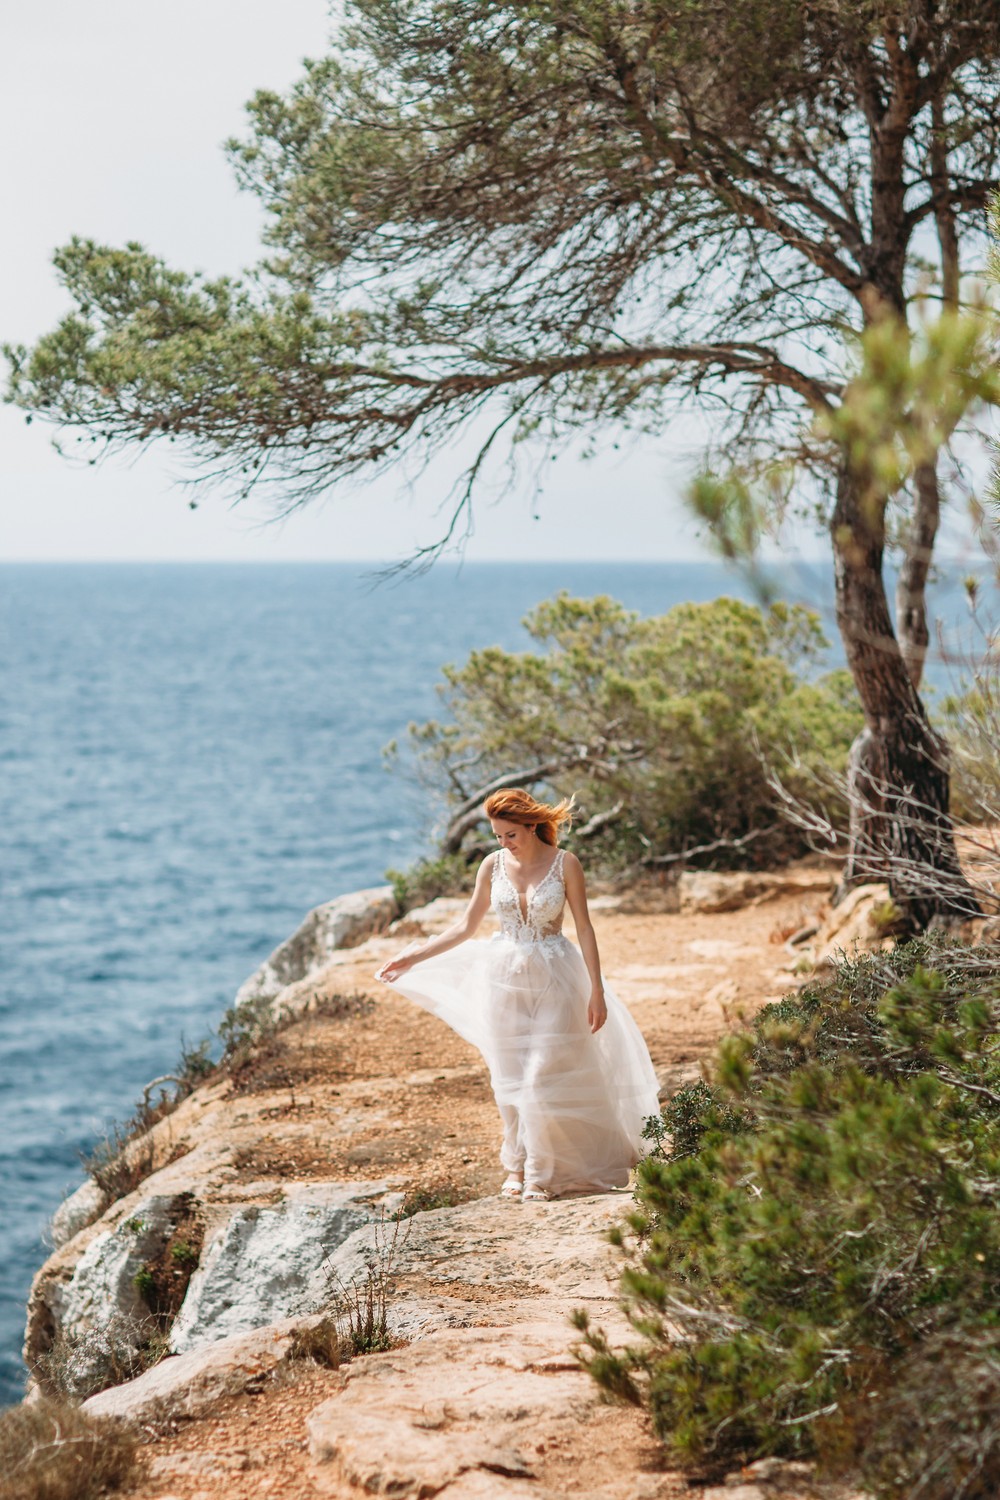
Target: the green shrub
(246, 1026)
(428, 879)
(813, 1268)
(663, 723)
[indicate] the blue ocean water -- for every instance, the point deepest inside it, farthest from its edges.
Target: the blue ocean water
(190, 759)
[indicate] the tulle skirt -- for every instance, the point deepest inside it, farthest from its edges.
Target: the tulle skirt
(573, 1104)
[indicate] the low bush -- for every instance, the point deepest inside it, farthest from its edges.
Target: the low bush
(814, 1263)
(424, 881)
(50, 1450)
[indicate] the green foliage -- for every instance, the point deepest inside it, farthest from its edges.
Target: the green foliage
(694, 1117)
(667, 719)
(245, 1027)
(910, 392)
(195, 1063)
(429, 878)
(693, 191)
(818, 1257)
(144, 1282)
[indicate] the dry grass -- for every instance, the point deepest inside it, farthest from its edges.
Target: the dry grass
(50, 1450)
(81, 1365)
(324, 1343)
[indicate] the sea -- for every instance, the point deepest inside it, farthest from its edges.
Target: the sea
(191, 757)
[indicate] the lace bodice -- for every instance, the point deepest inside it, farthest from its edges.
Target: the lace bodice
(540, 916)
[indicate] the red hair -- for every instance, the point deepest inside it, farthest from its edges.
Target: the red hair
(518, 806)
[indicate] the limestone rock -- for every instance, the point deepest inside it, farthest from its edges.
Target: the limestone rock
(850, 925)
(101, 1300)
(713, 891)
(266, 1264)
(494, 1399)
(186, 1384)
(343, 923)
(432, 918)
(562, 1249)
(727, 890)
(75, 1212)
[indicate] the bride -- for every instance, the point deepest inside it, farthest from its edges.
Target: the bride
(570, 1071)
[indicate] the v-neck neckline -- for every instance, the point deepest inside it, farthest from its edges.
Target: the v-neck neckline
(528, 895)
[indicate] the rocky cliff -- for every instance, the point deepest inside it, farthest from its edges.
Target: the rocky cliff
(272, 1193)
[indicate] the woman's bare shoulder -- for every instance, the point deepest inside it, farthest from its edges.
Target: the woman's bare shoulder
(571, 865)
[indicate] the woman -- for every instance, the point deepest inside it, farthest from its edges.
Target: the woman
(569, 1068)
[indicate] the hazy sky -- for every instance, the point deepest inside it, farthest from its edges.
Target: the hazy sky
(112, 117)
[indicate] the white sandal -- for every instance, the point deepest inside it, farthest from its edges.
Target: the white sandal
(534, 1194)
(512, 1188)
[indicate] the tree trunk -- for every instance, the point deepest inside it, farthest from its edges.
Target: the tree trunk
(901, 823)
(911, 586)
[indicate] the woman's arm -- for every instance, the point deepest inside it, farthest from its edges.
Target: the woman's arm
(457, 933)
(576, 899)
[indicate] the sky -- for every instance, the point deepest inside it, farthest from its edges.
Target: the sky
(112, 118)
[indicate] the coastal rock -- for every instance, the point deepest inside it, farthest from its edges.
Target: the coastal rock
(186, 1384)
(432, 918)
(343, 923)
(266, 1264)
(75, 1213)
(709, 891)
(100, 1304)
(456, 1403)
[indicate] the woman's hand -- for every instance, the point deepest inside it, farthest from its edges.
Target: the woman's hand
(597, 1011)
(396, 967)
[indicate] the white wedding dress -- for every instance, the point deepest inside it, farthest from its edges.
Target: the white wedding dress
(573, 1103)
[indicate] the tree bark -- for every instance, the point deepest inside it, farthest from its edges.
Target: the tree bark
(911, 585)
(901, 820)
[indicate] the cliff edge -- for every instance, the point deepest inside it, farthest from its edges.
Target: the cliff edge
(353, 1146)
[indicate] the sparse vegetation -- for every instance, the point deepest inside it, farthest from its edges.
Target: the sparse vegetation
(324, 1343)
(245, 1027)
(163, 1281)
(123, 1159)
(251, 1051)
(126, 1156)
(425, 1200)
(50, 1450)
(361, 1305)
(78, 1365)
(813, 1265)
